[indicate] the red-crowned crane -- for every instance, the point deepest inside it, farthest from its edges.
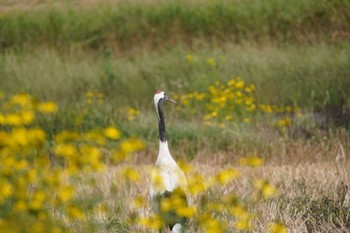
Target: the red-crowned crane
(168, 181)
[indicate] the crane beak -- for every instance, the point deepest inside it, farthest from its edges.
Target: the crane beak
(167, 98)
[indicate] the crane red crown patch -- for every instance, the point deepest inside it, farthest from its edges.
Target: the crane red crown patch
(158, 91)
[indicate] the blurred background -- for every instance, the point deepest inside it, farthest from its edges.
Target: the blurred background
(267, 78)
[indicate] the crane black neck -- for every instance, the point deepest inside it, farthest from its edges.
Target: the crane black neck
(161, 122)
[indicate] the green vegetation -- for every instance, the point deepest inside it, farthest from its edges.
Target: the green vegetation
(283, 67)
(126, 24)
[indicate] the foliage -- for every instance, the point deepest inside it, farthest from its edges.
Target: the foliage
(126, 24)
(39, 177)
(235, 101)
(212, 213)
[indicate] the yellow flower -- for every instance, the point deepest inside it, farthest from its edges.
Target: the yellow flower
(47, 107)
(154, 222)
(19, 137)
(252, 161)
(186, 211)
(211, 61)
(277, 228)
(265, 189)
(284, 122)
(36, 135)
(243, 224)
(225, 176)
(231, 83)
(66, 150)
(27, 117)
(228, 117)
(200, 96)
(32, 175)
(238, 212)
(131, 174)
(189, 58)
(112, 133)
(185, 166)
(22, 100)
(158, 180)
(6, 189)
(118, 156)
(38, 200)
(131, 145)
(20, 206)
(13, 119)
(240, 84)
(211, 225)
(65, 193)
(139, 201)
(196, 184)
(165, 205)
(89, 94)
(132, 113)
(75, 213)
(2, 119)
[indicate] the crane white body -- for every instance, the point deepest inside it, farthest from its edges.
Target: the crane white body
(167, 176)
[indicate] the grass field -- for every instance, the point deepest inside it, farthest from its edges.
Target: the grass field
(78, 129)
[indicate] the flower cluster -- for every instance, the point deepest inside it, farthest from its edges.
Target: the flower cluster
(209, 213)
(94, 97)
(37, 180)
(234, 101)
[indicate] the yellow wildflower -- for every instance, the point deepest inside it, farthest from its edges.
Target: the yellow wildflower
(75, 213)
(240, 84)
(118, 156)
(186, 211)
(132, 113)
(27, 117)
(47, 107)
(131, 145)
(66, 150)
(22, 100)
(6, 189)
(252, 161)
(211, 61)
(196, 184)
(139, 201)
(38, 200)
(231, 83)
(277, 227)
(13, 119)
(132, 174)
(89, 94)
(154, 222)
(112, 133)
(20, 206)
(189, 58)
(225, 176)
(265, 189)
(65, 193)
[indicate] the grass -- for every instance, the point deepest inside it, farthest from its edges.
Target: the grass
(302, 75)
(296, 54)
(288, 75)
(125, 24)
(311, 195)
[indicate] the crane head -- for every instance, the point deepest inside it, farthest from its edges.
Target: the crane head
(160, 96)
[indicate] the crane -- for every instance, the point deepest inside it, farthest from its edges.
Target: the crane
(168, 181)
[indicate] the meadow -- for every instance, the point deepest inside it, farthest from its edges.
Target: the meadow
(261, 127)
